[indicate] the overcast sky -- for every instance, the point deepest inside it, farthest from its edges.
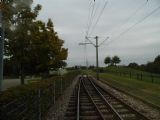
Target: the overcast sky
(139, 44)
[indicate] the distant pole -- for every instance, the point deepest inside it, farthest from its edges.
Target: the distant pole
(86, 60)
(1, 48)
(97, 62)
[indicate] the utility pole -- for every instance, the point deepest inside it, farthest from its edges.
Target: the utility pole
(1, 48)
(85, 43)
(96, 46)
(97, 62)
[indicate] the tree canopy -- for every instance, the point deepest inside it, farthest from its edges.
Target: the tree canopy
(107, 60)
(112, 61)
(153, 67)
(116, 60)
(32, 45)
(133, 65)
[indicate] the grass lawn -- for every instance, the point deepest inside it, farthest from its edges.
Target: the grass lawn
(145, 90)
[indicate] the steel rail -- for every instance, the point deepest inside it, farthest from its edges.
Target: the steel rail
(123, 103)
(127, 106)
(78, 97)
(100, 113)
(116, 114)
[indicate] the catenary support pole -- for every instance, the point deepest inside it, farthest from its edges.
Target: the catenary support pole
(96, 46)
(97, 62)
(85, 45)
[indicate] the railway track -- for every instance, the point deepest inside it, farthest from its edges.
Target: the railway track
(91, 102)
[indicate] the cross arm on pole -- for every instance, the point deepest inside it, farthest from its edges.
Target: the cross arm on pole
(84, 43)
(90, 41)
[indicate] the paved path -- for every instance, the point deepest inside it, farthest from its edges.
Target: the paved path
(8, 83)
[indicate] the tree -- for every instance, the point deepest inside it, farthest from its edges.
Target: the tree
(48, 48)
(17, 45)
(157, 64)
(153, 67)
(107, 60)
(115, 60)
(157, 59)
(33, 46)
(133, 65)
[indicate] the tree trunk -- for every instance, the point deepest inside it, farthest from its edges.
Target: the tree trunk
(22, 74)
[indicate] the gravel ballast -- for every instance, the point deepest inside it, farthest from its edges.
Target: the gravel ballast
(57, 111)
(144, 108)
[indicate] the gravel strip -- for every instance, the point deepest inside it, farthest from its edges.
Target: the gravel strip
(146, 109)
(57, 111)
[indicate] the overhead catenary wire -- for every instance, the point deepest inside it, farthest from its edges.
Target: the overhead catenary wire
(96, 11)
(93, 15)
(90, 16)
(131, 16)
(99, 16)
(135, 12)
(140, 21)
(104, 41)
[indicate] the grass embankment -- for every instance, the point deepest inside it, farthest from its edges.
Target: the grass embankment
(134, 74)
(146, 91)
(127, 70)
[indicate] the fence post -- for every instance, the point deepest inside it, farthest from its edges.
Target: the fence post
(64, 86)
(141, 76)
(137, 76)
(130, 75)
(152, 78)
(54, 91)
(39, 104)
(61, 84)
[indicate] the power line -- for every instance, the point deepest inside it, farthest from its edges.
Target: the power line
(94, 15)
(101, 12)
(103, 41)
(131, 16)
(90, 18)
(96, 9)
(140, 21)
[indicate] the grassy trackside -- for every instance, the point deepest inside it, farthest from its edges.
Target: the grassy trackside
(144, 90)
(125, 70)
(133, 73)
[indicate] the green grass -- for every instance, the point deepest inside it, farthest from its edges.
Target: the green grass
(144, 90)
(127, 70)
(133, 73)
